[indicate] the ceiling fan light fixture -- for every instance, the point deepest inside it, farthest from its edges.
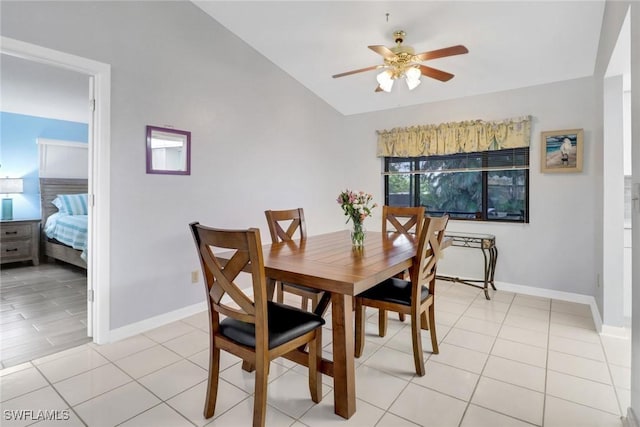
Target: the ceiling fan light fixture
(385, 80)
(401, 61)
(412, 84)
(412, 76)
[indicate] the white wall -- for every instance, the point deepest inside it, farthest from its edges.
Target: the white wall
(613, 202)
(261, 140)
(558, 249)
(635, 215)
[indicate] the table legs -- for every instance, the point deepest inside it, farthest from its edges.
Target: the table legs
(490, 260)
(489, 268)
(344, 382)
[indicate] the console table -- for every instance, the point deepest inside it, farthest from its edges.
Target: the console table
(487, 244)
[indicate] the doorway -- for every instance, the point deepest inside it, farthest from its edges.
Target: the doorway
(98, 260)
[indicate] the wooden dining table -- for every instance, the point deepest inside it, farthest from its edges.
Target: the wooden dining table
(329, 262)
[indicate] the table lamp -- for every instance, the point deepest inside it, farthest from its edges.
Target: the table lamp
(9, 186)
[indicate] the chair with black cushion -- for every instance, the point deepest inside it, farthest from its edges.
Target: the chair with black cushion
(404, 221)
(293, 221)
(256, 330)
(414, 298)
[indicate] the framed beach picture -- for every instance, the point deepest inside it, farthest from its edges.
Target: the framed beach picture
(562, 151)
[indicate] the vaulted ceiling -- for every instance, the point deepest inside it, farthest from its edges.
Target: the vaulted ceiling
(511, 44)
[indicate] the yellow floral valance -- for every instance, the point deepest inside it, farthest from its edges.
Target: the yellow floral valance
(454, 137)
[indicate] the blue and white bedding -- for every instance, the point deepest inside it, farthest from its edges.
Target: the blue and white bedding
(70, 230)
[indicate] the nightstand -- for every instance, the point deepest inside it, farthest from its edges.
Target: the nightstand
(20, 241)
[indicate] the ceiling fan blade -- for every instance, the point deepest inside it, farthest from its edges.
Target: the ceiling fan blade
(383, 50)
(379, 89)
(443, 76)
(348, 73)
(441, 53)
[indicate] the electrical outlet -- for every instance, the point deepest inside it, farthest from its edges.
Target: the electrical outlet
(195, 277)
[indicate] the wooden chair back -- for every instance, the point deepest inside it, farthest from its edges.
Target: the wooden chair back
(428, 253)
(219, 277)
(294, 221)
(405, 220)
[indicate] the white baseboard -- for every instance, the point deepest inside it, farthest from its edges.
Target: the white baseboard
(630, 420)
(162, 319)
(616, 331)
(155, 322)
(559, 295)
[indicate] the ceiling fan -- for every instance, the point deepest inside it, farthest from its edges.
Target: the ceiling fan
(401, 61)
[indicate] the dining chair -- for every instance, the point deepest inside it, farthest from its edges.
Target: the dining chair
(406, 221)
(293, 220)
(254, 329)
(415, 298)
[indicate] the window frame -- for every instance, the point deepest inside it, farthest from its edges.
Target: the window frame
(414, 182)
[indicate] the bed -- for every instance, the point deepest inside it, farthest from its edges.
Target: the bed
(69, 227)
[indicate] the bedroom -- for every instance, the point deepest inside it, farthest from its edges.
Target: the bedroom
(44, 138)
(237, 117)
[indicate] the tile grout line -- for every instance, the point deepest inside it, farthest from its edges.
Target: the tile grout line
(475, 388)
(615, 389)
(55, 390)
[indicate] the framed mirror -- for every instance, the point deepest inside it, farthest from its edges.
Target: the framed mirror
(168, 151)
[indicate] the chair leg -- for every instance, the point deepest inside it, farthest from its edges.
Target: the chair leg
(212, 385)
(304, 303)
(401, 317)
(360, 323)
(382, 322)
(432, 324)
(424, 322)
(417, 344)
(260, 395)
(315, 375)
(248, 366)
(315, 300)
(279, 292)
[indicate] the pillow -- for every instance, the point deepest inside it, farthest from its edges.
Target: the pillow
(71, 204)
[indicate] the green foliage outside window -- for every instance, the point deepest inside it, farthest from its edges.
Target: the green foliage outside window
(490, 186)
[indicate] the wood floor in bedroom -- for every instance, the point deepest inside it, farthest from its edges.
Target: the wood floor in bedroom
(43, 310)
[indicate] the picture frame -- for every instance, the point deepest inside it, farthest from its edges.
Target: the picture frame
(168, 151)
(561, 151)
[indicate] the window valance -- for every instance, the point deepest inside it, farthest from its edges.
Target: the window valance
(455, 137)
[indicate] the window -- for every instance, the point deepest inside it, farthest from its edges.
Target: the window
(485, 186)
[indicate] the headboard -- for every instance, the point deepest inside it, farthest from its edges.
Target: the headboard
(51, 187)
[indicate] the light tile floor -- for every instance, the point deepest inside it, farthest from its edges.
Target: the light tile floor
(513, 361)
(43, 310)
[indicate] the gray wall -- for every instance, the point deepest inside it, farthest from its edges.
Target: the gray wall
(558, 249)
(261, 140)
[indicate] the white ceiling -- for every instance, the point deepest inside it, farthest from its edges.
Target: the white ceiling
(511, 44)
(43, 90)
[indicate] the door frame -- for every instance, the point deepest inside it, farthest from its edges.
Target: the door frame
(99, 258)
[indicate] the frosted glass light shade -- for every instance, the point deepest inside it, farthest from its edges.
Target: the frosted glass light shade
(413, 78)
(385, 81)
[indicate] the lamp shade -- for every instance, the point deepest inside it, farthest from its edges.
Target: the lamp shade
(385, 80)
(10, 185)
(413, 77)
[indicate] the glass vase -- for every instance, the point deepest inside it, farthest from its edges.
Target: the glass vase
(358, 233)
